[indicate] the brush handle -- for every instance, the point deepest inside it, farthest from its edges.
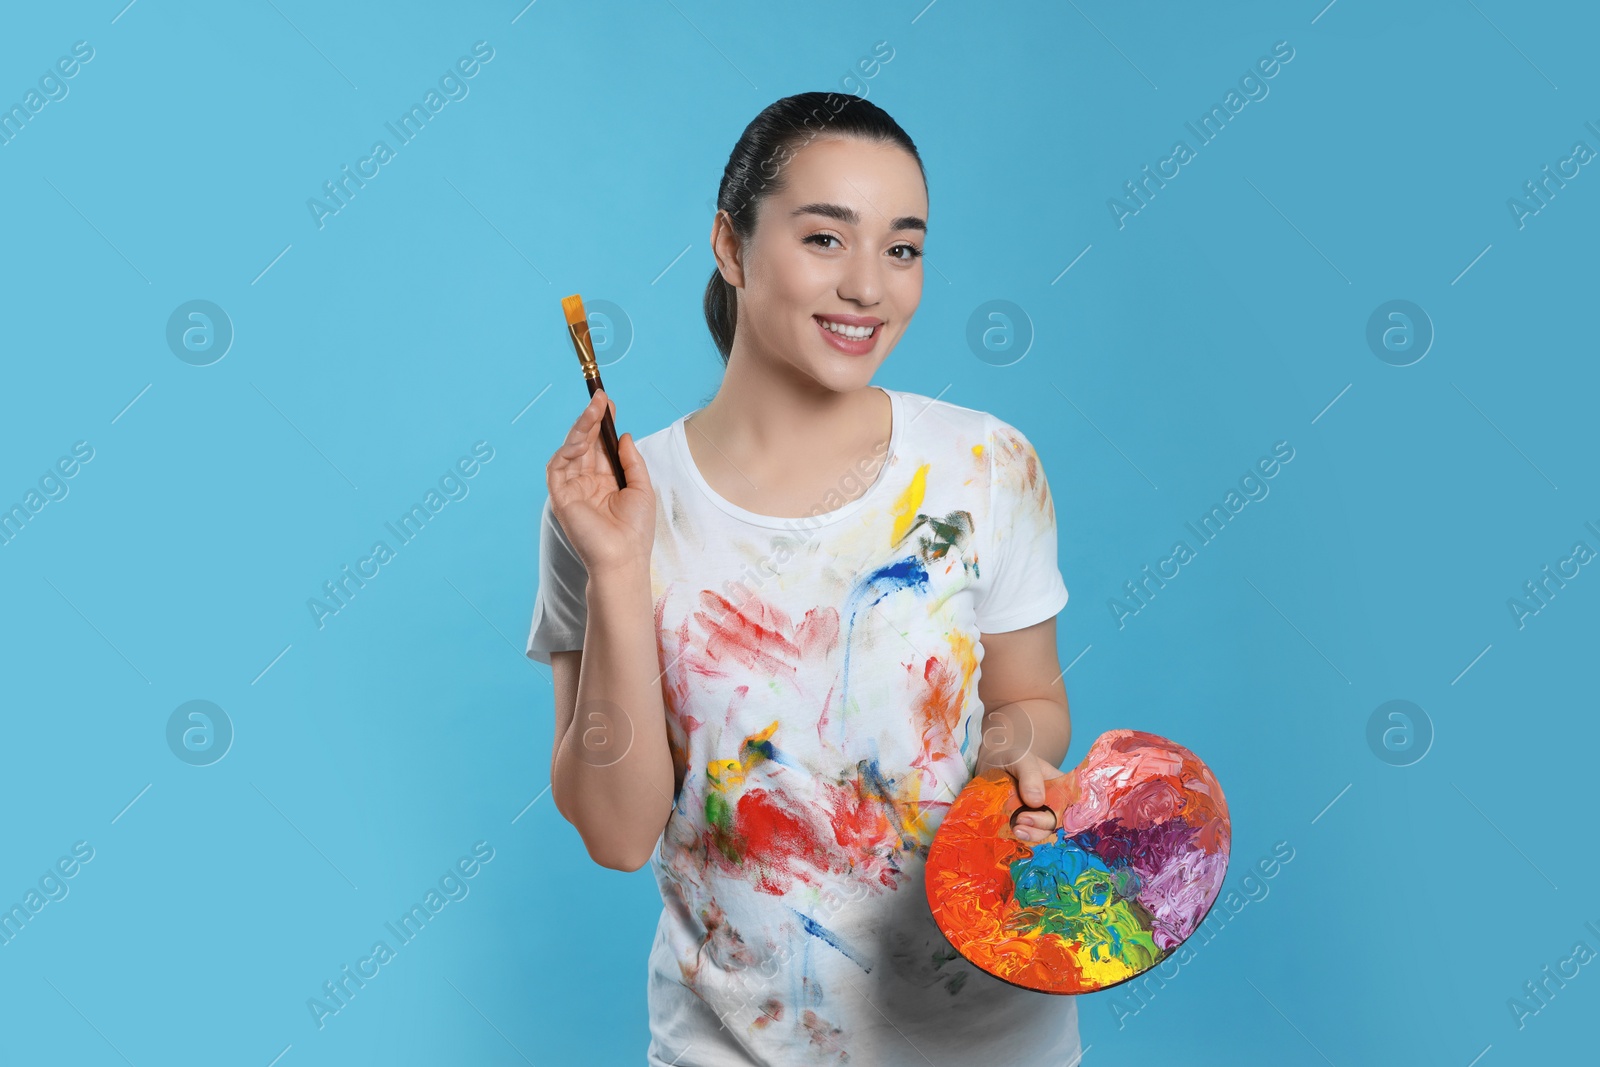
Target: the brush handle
(608, 434)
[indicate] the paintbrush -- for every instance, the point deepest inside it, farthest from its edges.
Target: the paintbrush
(578, 327)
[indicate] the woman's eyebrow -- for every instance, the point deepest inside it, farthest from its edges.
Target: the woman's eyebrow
(849, 216)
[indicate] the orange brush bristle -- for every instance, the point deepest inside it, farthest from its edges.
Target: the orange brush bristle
(578, 327)
(573, 307)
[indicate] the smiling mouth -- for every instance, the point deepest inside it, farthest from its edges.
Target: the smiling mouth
(849, 333)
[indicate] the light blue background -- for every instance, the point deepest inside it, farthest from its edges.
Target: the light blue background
(372, 353)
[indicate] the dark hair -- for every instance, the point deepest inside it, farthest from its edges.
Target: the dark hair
(755, 170)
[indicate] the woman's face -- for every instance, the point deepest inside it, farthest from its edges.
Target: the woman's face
(839, 244)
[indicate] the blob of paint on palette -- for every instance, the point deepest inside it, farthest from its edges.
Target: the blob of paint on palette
(1139, 855)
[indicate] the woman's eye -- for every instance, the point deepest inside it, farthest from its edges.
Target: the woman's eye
(912, 252)
(820, 237)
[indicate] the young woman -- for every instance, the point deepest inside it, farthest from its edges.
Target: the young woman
(766, 648)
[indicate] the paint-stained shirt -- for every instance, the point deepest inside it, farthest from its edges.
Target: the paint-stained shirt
(821, 691)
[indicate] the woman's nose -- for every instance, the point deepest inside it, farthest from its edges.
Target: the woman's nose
(861, 281)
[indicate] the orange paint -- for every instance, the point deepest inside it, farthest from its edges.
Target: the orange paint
(1137, 862)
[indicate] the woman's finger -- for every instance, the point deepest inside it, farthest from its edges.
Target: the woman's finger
(633, 468)
(1030, 783)
(575, 457)
(590, 413)
(576, 442)
(1026, 832)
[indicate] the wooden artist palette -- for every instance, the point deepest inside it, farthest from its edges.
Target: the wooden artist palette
(1139, 855)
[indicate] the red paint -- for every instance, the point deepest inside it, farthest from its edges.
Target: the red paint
(862, 828)
(780, 843)
(771, 1011)
(757, 640)
(758, 636)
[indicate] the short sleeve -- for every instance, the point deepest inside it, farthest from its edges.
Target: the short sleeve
(1019, 579)
(561, 607)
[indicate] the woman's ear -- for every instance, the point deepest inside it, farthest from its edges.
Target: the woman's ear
(725, 246)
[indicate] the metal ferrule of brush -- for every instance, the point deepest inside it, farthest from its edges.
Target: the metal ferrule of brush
(585, 349)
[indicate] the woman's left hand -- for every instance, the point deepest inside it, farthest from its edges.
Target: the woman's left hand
(1030, 772)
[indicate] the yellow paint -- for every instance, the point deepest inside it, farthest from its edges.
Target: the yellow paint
(1104, 972)
(912, 812)
(964, 647)
(724, 773)
(905, 509)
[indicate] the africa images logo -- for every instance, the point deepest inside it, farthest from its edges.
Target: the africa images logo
(1253, 84)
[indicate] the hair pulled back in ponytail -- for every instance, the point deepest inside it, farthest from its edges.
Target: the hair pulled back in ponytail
(755, 170)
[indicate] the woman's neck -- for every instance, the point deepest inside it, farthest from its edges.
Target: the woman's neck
(769, 434)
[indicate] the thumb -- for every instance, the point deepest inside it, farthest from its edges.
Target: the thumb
(1030, 783)
(633, 468)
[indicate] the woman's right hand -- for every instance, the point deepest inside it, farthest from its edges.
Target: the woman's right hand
(611, 529)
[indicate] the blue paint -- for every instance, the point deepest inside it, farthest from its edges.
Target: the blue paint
(823, 934)
(1041, 878)
(907, 573)
(766, 750)
(881, 789)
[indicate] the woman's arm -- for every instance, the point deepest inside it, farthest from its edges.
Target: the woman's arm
(1027, 726)
(611, 772)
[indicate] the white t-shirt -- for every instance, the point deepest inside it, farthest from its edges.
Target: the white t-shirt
(821, 691)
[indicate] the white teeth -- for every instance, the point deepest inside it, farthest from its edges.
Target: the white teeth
(856, 333)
